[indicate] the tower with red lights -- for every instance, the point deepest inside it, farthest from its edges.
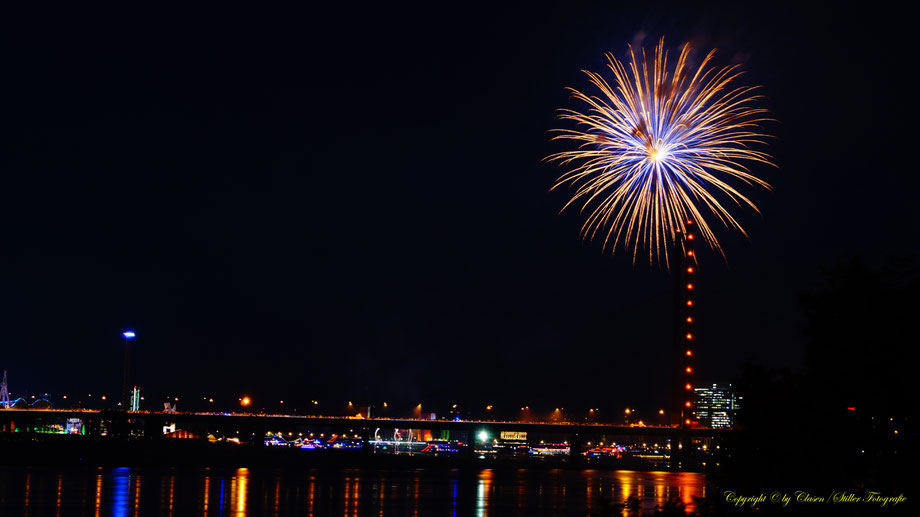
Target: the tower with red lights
(682, 380)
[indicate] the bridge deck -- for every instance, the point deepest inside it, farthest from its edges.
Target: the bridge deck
(317, 421)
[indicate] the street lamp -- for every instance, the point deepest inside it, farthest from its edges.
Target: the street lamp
(128, 335)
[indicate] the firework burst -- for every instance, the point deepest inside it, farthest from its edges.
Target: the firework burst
(659, 147)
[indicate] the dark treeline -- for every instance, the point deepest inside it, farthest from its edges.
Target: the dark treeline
(846, 420)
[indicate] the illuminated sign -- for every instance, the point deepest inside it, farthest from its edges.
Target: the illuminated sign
(513, 435)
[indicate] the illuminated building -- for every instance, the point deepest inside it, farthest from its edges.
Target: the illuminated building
(717, 405)
(512, 442)
(135, 399)
(4, 393)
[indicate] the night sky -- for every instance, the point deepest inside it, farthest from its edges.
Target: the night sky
(350, 204)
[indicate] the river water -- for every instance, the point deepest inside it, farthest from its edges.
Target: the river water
(338, 492)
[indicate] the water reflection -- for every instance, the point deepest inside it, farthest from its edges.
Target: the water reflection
(347, 494)
(483, 491)
(453, 498)
(380, 498)
(137, 494)
(416, 492)
(98, 493)
(120, 480)
(221, 495)
(172, 494)
(360, 492)
(206, 494)
(591, 489)
(277, 505)
(239, 485)
(311, 496)
(60, 488)
(28, 491)
(653, 489)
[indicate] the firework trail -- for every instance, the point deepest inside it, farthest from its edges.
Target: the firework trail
(657, 147)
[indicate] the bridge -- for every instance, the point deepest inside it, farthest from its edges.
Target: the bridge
(253, 427)
(93, 417)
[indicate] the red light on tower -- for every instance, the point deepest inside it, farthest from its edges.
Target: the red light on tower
(686, 282)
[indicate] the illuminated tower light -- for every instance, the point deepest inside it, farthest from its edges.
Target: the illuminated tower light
(690, 269)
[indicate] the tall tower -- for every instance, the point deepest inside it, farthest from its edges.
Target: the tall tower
(4, 393)
(684, 305)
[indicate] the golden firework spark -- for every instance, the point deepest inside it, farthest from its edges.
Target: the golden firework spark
(657, 147)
